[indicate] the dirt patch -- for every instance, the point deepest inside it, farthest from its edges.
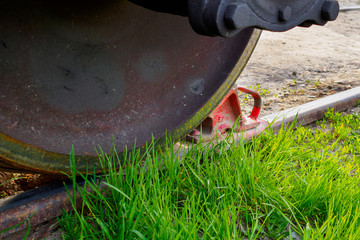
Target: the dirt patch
(304, 64)
(13, 183)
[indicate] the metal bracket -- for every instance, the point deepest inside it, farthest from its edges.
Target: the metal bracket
(227, 17)
(226, 115)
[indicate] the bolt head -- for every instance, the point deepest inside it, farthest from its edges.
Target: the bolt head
(229, 16)
(284, 14)
(330, 10)
(236, 16)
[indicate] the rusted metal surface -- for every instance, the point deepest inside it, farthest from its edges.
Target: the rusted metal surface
(90, 73)
(38, 210)
(34, 207)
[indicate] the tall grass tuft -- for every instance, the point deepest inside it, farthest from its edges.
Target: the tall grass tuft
(296, 182)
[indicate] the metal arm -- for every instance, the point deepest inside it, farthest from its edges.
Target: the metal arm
(228, 17)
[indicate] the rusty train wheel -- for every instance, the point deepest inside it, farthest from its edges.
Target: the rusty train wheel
(88, 73)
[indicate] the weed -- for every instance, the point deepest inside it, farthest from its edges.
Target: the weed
(304, 181)
(264, 92)
(357, 104)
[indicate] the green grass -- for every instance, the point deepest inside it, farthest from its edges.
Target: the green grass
(304, 181)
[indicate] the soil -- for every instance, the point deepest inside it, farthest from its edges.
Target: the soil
(301, 65)
(13, 183)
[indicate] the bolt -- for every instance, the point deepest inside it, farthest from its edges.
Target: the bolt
(237, 16)
(284, 14)
(330, 10)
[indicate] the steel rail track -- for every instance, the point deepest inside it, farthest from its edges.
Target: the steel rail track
(351, 8)
(42, 206)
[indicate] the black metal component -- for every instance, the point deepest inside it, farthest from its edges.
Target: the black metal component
(330, 10)
(227, 17)
(284, 14)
